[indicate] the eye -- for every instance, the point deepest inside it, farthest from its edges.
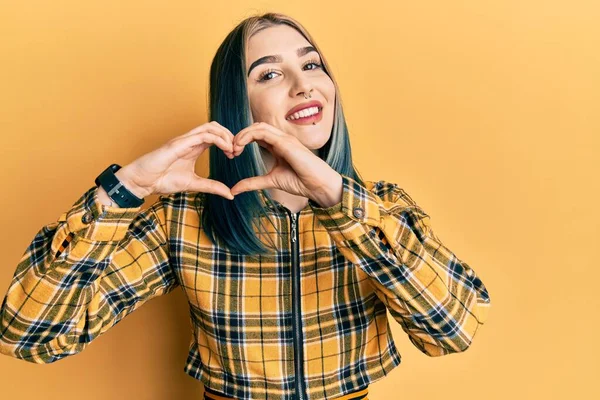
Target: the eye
(263, 77)
(314, 62)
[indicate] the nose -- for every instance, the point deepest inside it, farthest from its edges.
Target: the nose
(302, 86)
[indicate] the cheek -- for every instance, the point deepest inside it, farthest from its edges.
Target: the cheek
(263, 109)
(328, 90)
(264, 115)
(331, 91)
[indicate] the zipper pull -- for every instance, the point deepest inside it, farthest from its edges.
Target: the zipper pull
(293, 227)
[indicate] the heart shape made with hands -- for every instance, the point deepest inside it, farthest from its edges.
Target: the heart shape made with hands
(296, 169)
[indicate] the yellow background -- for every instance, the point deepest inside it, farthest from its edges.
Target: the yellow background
(486, 112)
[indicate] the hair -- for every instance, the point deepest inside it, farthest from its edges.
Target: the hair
(231, 222)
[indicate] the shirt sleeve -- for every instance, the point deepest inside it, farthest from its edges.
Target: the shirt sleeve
(81, 275)
(438, 299)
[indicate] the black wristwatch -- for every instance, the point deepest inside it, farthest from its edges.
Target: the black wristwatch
(116, 190)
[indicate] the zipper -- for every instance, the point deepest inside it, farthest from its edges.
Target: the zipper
(296, 303)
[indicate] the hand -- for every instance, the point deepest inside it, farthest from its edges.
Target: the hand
(170, 168)
(296, 170)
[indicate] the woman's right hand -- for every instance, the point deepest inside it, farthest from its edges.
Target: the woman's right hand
(170, 168)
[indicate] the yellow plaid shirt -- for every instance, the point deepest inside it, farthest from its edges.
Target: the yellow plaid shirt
(306, 322)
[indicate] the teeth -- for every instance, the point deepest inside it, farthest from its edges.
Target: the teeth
(303, 113)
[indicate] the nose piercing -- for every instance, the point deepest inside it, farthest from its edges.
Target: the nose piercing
(309, 95)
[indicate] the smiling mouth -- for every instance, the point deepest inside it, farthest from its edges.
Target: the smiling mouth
(298, 119)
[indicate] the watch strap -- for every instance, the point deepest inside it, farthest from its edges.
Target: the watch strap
(115, 188)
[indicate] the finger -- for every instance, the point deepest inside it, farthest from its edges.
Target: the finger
(268, 136)
(213, 127)
(263, 126)
(263, 138)
(254, 183)
(199, 148)
(184, 145)
(254, 126)
(227, 131)
(222, 131)
(204, 129)
(209, 137)
(205, 185)
(227, 135)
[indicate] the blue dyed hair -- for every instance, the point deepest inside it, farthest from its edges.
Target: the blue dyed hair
(230, 223)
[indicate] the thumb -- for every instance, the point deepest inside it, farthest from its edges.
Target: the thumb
(253, 183)
(205, 185)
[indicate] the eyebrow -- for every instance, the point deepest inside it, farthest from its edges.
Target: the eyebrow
(277, 57)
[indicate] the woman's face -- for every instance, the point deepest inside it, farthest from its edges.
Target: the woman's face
(275, 86)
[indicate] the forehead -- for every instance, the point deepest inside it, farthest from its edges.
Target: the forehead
(280, 39)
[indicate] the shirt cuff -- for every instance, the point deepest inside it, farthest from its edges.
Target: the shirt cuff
(90, 219)
(358, 206)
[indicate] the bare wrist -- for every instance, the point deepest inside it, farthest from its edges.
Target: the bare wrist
(331, 194)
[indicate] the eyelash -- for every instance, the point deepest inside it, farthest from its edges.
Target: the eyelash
(267, 72)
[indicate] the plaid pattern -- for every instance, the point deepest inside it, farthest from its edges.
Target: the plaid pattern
(361, 394)
(375, 250)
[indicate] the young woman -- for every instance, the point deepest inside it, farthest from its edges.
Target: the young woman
(288, 258)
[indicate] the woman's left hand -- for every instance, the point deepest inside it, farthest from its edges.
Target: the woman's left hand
(297, 170)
